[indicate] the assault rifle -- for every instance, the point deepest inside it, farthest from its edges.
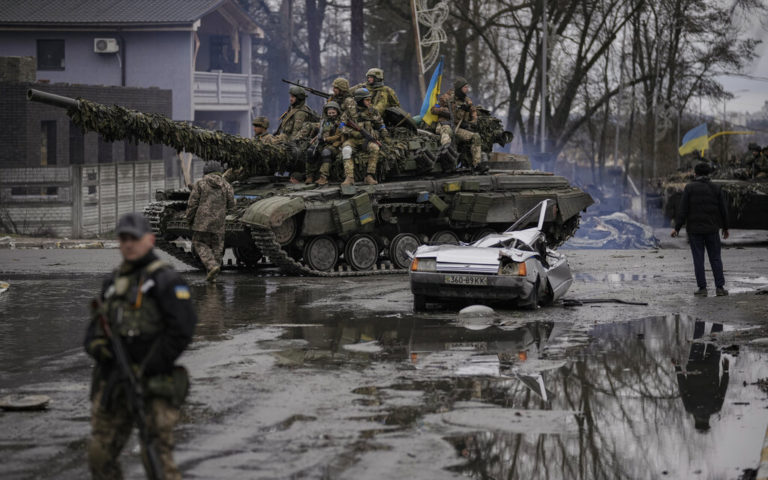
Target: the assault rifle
(368, 136)
(311, 90)
(134, 393)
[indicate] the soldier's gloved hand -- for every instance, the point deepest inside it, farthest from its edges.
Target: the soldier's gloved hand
(100, 350)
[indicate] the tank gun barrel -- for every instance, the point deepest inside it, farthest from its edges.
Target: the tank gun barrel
(52, 99)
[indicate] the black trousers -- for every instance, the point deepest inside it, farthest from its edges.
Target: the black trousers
(711, 243)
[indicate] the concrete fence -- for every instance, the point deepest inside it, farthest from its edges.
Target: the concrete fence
(78, 201)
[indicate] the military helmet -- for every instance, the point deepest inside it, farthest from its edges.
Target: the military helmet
(342, 84)
(459, 83)
(754, 147)
(262, 122)
(211, 167)
(331, 104)
(297, 92)
(361, 94)
(376, 73)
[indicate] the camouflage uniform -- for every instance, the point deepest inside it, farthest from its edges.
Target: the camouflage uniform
(158, 322)
(464, 114)
(327, 144)
(368, 119)
(207, 207)
(293, 119)
(344, 98)
(382, 96)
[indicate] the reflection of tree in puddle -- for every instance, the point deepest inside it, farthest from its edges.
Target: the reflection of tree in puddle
(633, 424)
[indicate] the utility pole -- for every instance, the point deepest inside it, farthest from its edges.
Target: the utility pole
(543, 76)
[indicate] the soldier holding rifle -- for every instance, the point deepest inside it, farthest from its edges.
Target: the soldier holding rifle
(140, 325)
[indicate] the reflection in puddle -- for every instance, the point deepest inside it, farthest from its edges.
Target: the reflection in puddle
(653, 398)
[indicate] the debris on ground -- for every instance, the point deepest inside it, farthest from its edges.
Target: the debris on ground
(614, 231)
(24, 402)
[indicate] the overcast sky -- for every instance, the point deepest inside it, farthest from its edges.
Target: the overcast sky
(750, 94)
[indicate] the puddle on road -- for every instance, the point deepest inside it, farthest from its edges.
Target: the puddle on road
(652, 398)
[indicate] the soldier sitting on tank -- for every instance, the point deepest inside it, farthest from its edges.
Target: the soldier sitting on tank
(342, 96)
(294, 118)
(260, 127)
(364, 118)
(325, 147)
(382, 96)
(458, 116)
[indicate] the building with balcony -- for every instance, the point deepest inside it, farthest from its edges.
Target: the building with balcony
(200, 50)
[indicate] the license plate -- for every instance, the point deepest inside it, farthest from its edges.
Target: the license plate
(471, 280)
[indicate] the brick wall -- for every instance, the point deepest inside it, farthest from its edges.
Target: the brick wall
(20, 136)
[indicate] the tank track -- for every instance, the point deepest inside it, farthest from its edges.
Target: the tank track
(154, 212)
(265, 241)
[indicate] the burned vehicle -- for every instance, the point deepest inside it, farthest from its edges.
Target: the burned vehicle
(426, 195)
(516, 266)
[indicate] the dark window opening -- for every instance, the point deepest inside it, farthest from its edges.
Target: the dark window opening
(131, 151)
(232, 127)
(50, 54)
(155, 151)
(76, 145)
(34, 191)
(91, 189)
(222, 54)
(105, 151)
(48, 142)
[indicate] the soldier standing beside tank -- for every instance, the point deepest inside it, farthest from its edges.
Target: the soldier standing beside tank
(207, 207)
(458, 116)
(327, 144)
(364, 118)
(382, 96)
(342, 96)
(146, 306)
(294, 118)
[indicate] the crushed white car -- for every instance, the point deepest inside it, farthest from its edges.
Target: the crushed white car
(515, 267)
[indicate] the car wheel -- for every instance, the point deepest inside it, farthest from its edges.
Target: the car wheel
(419, 303)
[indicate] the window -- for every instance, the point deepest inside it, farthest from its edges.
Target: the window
(131, 151)
(48, 142)
(155, 151)
(50, 54)
(105, 151)
(76, 145)
(222, 56)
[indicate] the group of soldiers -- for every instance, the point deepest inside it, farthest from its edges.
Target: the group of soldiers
(755, 162)
(352, 124)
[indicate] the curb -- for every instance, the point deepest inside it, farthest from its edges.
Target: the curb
(762, 470)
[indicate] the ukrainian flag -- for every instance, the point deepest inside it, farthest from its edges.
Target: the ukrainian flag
(695, 139)
(430, 99)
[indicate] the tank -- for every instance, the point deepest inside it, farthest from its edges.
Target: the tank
(746, 195)
(426, 195)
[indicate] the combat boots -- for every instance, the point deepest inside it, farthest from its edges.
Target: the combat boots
(213, 273)
(349, 172)
(348, 181)
(309, 180)
(323, 180)
(369, 180)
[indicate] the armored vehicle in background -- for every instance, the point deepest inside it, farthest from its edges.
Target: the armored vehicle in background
(429, 195)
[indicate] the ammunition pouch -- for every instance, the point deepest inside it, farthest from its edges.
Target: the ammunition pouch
(174, 386)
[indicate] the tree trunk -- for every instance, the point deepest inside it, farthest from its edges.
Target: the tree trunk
(357, 40)
(315, 13)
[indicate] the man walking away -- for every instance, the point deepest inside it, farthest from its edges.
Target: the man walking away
(141, 323)
(207, 209)
(703, 212)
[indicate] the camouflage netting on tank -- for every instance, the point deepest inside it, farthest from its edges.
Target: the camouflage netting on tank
(741, 193)
(119, 123)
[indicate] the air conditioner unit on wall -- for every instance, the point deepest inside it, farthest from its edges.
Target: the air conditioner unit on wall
(105, 45)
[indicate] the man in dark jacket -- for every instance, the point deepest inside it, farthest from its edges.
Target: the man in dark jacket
(146, 305)
(207, 207)
(703, 212)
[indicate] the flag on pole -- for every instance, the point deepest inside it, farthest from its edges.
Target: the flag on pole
(433, 91)
(696, 139)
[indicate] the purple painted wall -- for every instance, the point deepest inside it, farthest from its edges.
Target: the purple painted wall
(152, 59)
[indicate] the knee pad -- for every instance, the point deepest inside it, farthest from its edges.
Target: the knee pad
(346, 152)
(326, 155)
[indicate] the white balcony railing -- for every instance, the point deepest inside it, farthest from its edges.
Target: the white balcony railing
(226, 91)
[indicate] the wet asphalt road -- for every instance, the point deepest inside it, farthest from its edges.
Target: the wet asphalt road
(338, 378)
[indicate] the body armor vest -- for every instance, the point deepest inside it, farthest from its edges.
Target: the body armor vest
(141, 315)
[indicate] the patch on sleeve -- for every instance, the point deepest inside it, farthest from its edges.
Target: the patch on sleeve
(182, 292)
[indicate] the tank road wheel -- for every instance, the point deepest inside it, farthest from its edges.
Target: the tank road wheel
(401, 245)
(321, 253)
(444, 237)
(285, 233)
(482, 233)
(361, 252)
